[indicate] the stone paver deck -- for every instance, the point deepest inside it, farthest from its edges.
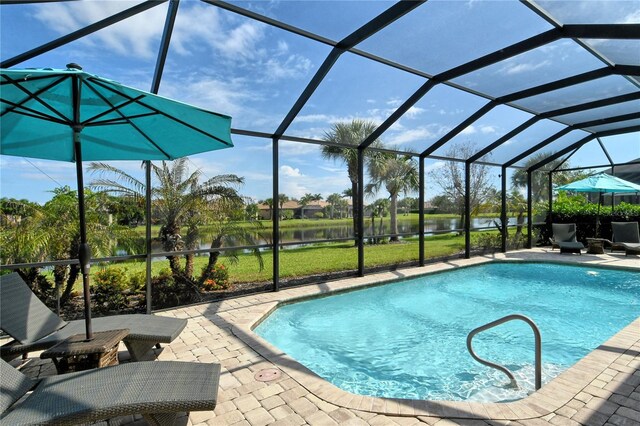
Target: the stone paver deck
(601, 389)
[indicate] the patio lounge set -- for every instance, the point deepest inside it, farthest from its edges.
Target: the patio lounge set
(157, 390)
(626, 237)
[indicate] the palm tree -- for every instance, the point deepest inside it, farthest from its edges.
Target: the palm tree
(334, 200)
(397, 173)
(282, 198)
(51, 232)
(540, 180)
(179, 199)
(307, 199)
(351, 135)
(269, 202)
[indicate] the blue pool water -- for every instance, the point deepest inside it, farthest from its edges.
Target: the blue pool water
(408, 339)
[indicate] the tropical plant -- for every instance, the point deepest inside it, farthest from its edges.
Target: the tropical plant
(178, 199)
(307, 199)
(335, 201)
(350, 135)
(398, 174)
(379, 209)
(540, 178)
(51, 232)
(228, 233)
(269, 202)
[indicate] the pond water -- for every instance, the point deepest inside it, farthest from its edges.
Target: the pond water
(405, 226)
(310, 233)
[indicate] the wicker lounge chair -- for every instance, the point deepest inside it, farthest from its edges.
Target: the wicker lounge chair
(564, 237)
(157, 390)
(626, 236)
(34, 327)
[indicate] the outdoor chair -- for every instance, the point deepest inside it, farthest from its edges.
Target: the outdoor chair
(157, 390)
(626, 237)
(564, 237)
(34, 327)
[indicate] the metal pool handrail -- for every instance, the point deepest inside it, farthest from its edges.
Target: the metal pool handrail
(538, 343)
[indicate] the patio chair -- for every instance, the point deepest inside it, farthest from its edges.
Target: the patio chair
(564, 237)
(157, 390)
(34, 327)
(626, 237)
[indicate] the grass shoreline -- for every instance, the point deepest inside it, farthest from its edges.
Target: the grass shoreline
(313, 259)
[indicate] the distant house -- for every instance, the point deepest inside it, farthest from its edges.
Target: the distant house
(293, 209)
(288, 209)
(429, 208)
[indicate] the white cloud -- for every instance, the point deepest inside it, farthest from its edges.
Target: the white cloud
(293, 67)
(394, 102)
(632, 17)
(411, 135)
(487, 129)
(435, 166)
(413, 112)
(135, 36)
(513, 68)
(470, 130)
(290, 171)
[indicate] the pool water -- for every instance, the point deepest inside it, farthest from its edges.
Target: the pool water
(408, 339)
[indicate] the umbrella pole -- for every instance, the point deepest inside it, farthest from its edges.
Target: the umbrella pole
(84, 252)
(598, 215)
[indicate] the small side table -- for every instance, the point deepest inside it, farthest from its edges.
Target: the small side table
(596, 245)
(76, 353)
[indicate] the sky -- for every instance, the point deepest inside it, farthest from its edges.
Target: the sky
(254, 73)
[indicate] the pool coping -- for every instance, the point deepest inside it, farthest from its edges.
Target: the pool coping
(551, 397)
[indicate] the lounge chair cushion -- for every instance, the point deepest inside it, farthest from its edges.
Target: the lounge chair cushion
(564, 236)
(13, 384)
(576, 246)
(143, 387)
(18, 305)
(625, 232)
(631, 247)
(23, 316)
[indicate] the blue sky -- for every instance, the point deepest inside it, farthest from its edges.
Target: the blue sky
(254, 73)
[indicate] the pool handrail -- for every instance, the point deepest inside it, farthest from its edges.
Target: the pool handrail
(538, 345)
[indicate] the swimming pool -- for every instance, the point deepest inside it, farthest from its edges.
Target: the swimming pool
(408, 339)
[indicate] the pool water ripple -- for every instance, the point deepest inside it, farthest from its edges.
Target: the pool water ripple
(408, 339)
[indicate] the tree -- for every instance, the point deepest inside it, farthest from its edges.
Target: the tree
(407, 204)
(450, 178)
(540, 179)
(379, 209)
(282, 198)
(225, 232)
(269, 202)
(52, 232)
(307, 199)
(179, 199)
(443, 204)
(251, 211)
(397, 173)
(334, 201)
(350, 134)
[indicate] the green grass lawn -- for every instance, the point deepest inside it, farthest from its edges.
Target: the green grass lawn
(317, 258)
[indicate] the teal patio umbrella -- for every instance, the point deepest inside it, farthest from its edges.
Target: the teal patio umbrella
(71, 115)
(601, 183)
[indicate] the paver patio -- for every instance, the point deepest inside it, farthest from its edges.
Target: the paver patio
(601, 389)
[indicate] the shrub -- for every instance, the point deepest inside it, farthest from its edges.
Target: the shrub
(170, 290)
(137, 281)
(491, 240)
(109, 288)
(216, 278)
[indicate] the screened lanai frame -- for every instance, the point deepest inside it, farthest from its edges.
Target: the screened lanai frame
(578, 33)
